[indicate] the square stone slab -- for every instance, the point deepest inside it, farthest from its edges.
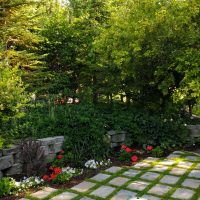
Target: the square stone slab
(192, 158)
(113, 169)
(159, 189)
(192, 183)
(86, 198)
(150, 197)
(124, 195)
(168, 179)
(184, 164)
(131, 173)
(65, 196)
(142, 165)
(167, 162)
(150, 176)
(43, 193)
(119, 181)
(150, 159)
(100, 177)
(159, 168)
(197, 166)
(103, 191)
(194, 173)
(138, 185)
(178, 171)
(183, 193)
(83, 187)
(174, 156)
(178, 152)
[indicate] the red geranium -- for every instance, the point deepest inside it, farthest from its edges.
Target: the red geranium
(57, 170)
(128, 150)
(62, 152)
(59, 156)
(149, 148)
(45, 178)
(123, 146)
(51, 168)
(134, 158)
(52, 176)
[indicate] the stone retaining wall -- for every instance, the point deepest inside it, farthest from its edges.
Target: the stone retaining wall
(10, 163)
(194, 131)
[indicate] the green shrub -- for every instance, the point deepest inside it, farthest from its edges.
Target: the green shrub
(7, 186)
(157, 152)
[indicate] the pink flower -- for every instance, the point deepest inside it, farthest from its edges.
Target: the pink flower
(59, 156)
(123, 146)
(134, 158)
(128, 150)
(149, 148)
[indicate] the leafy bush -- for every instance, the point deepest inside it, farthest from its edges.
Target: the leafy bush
(7, 186)
(157, 152)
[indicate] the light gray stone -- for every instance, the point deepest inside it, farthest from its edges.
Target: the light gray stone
(194, 173)
(178, 152)
(167, 162)
(178, 171)
(86, 198)
(59, 139)
(47, 141)
(23, 199)
(84, 186)
(65, 196)
(159, 168)
(15, 169)
(6, 162)
(192, 158)
(103, 191)
(159, 189)
(142, 165)
(183, 193)
(151, 159)
(124, 195)
(185, 164)
(174, 156)
(43, 193)
(150, 176)
(113, 169)
(192, 183)
(45, 149)
(57, 147)
(168, 179)
(150, 197)
(131, 173)
(10, 151)
(119, 181)
(100, 177)
(138, 185)
(120, 137)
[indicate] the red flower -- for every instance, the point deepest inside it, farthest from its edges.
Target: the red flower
(52, 176)
(45, 178)
(123, 146)
(59, 156)
(51, 168)
(149, 148)
(134, 158)
(62, 152)
(128, 150)
(57, 170)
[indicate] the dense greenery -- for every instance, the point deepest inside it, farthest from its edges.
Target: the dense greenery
(133, 54)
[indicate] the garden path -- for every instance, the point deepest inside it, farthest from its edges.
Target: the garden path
(175, 177)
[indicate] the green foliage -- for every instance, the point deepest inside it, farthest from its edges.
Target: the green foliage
(157, 152)
(62, 178)
(7, 186)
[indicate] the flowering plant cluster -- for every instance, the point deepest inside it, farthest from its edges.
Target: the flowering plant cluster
(53, 172)
(93, 164)
(69, 100)
(59, 161)
(127, 154)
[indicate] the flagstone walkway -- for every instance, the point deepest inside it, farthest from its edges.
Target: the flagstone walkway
(173, 178)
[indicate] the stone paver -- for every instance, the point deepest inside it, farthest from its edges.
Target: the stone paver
(150, 176)
(167, 162)
(131, 173)
(150, 197)
(183, 193)
(192, 158)
(168, 179)
(150, 159)
(124, 195)
(159, 189)
(86, 198)
(83, 187)
(192, 183)
(142, 165)
(197, 166)
(178, 171)
(119, 181)
(184, 164)
(138, 185)
(65, 196)
(113, 169)
(159, 168)
(43, 193)
(194, 173)
(103, 191)
(100, 177)
(174, 156)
